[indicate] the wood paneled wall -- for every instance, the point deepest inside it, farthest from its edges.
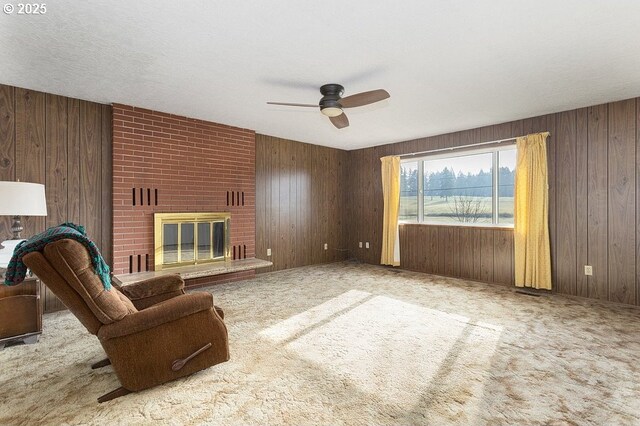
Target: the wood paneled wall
(65, 144)
(481, 254)
(300, 203)
(594, 188)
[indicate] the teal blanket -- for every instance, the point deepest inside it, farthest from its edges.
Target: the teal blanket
(17, 270)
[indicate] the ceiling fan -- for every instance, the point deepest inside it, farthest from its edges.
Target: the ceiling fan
(331, 103)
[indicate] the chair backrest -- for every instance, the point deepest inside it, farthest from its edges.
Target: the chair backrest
(66, 268)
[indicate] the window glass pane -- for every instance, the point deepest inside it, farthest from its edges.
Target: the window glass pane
(186, 242)
(218, 239)
(459, 189)
(204, 241)
(170, 242)
(409, 191)
(506, 180)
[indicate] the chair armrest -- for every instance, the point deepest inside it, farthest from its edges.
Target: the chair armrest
(153, 287)
(156, 315)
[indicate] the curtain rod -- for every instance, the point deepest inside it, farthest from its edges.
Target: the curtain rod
(499, 141)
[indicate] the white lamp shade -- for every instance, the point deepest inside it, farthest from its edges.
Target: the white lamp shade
(22, 199)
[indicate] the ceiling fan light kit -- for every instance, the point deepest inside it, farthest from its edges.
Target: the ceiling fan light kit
(332, 102)
(332, 111)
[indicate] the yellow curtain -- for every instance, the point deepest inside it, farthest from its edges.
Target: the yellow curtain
(391, 194)
(531, 213)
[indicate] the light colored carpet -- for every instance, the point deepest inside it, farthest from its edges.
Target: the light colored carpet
(356, 345)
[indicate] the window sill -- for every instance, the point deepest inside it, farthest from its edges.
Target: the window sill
(451, 225)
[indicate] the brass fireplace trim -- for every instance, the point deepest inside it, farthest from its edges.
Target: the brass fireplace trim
(161, 219)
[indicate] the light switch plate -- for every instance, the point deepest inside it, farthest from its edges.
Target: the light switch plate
(588, 270)
(268, 252)
(360, 244)
(367, 244)
(326, 246)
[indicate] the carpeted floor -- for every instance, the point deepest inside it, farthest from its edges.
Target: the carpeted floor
(351, 344)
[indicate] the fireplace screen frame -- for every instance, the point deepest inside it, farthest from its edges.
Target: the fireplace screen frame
(161, 219)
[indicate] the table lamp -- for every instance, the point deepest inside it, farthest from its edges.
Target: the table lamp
(19, 199)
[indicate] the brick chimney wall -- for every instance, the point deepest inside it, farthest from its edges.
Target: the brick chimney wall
(192, 166)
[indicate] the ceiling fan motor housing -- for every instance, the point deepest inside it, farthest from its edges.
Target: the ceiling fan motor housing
(330, 101)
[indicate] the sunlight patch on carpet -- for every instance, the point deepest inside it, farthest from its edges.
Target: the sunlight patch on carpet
(289, 328)
(405, 351)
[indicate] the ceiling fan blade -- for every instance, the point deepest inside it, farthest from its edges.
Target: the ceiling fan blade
(340, 121)
(364, 98)
(290, 104)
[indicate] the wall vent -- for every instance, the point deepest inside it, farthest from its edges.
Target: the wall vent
(136, 265)
(138, 196)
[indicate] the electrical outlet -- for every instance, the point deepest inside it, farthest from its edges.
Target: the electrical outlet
(360, 244)
(588, 270)
(367, 244)
(326, 246)
(268, 252)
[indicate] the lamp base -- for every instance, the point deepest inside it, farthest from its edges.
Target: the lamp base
(16, 228)
(7, 251)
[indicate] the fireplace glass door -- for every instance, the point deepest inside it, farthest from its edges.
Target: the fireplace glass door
(191, 239)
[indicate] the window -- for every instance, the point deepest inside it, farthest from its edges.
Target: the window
(408, 190)
(459, 189)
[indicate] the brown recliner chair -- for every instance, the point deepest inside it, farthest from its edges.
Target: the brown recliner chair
(151, 331)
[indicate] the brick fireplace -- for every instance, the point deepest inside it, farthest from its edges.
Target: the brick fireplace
(163, 163)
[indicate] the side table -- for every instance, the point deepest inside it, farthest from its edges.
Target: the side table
(20, 312)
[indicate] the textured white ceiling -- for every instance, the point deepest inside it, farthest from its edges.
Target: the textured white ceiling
(449, 65)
